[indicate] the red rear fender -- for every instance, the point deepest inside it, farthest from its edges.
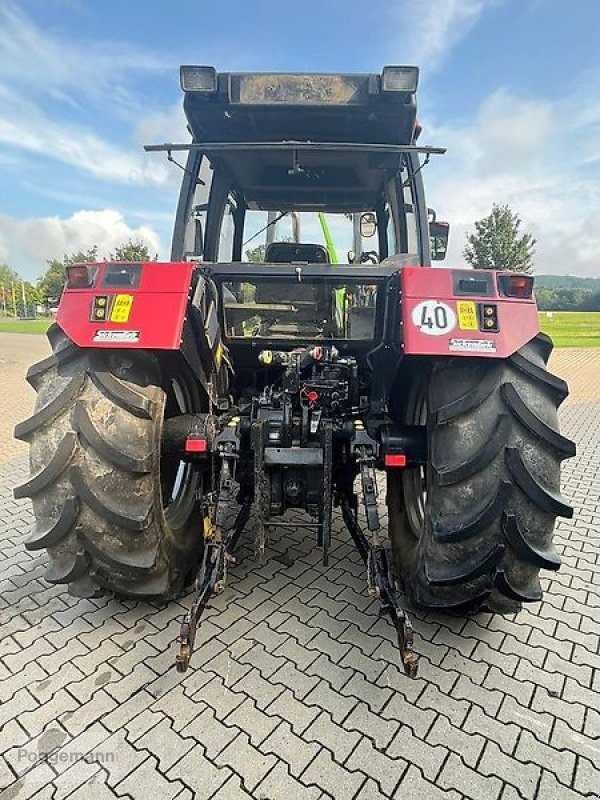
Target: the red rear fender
(449, 311)
(147, 312)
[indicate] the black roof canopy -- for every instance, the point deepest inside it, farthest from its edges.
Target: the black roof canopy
(316, 109)
(319, 108)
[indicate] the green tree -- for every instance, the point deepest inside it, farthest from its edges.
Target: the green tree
(33, 295)
(256, 255)
(8, 279)
(132, 251)
(8, 275)
(52, 281)
(591, 303)
(498, 244)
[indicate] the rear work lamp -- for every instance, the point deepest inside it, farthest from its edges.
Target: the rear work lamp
(80, 276)
(516, 286)
(198, 79)
(400, 79)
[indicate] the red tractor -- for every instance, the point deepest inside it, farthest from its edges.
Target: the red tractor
(258, 368)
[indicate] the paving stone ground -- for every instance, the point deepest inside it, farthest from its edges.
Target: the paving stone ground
(295, 691)
(17, 352)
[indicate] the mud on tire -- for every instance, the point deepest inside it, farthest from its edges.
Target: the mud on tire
(475, 529)
(98, 486)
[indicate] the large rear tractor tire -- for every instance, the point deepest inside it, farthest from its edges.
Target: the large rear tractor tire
(473, 529)
(111, 511)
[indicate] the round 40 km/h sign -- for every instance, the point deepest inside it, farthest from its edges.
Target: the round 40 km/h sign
(433, 317)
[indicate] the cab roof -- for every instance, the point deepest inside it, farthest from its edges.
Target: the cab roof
(277, 134)
(259, 107)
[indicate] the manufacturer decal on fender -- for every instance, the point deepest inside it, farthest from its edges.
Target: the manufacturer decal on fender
(472, 346)
(116, 336)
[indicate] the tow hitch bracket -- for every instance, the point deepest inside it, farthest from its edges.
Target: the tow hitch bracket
(220, 542)
(382, 585)
(209, 577)
(220, 539)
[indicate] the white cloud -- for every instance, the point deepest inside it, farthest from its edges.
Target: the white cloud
(47, 63)
(46, 80)
(26, 244)
(25, 127)
(428, 31)
(516, 151)
(157, 127)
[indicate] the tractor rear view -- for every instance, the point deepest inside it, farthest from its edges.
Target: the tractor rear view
(298, 346)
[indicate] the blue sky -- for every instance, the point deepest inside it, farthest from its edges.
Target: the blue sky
(511, 87)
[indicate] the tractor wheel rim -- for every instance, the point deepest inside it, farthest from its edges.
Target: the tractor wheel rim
(179, 480)
(415, 479)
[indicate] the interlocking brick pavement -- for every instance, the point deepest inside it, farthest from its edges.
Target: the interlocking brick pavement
(17, 352)
(295, 691)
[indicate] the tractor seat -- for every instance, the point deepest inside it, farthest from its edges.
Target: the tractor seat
(288, 252)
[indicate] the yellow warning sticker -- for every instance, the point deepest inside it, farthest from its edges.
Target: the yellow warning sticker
(467, 315)
(121, 308)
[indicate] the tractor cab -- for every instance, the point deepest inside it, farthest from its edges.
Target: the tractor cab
(285, 159)
(302, 197)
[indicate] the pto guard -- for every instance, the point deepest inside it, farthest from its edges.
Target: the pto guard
(442, 317)
(150, 315)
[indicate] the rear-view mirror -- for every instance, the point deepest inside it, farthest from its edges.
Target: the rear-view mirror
(368, 225)
(438, 239)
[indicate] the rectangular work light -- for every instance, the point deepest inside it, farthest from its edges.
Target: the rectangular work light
(400, 79)
(198, 79)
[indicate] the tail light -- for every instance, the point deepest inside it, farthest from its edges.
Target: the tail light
(520, 286)
(80, 276)
(193, 445)
(395, 460)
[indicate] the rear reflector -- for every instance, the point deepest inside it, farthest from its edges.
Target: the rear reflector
(122, 276)
(516, 286)
(395, 460)
(196, 446)
(472, 286)
(80, 276)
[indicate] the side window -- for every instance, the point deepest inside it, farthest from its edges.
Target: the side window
(412, 241)
(225, 250)
(255, 231)
(193, 243)
(395, 229)
(402, 202)
(392, 243)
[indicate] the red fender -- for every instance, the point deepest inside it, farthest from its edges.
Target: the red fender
(151, 314)
(443, 314)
